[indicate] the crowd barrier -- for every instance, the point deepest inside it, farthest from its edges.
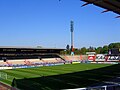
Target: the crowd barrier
(31, 66)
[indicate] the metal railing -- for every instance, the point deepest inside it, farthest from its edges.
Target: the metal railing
(105, 87)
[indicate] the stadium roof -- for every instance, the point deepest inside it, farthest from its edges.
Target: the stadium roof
(109, 5)
(27, 47)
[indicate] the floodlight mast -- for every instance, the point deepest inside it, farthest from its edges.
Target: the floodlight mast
(72, 34)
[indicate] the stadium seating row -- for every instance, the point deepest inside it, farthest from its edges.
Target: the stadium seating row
(21, 62)
(43, 61)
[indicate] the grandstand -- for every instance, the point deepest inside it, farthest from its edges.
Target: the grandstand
(20, 56)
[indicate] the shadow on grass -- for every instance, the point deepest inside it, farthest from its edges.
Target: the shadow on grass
(70, 80)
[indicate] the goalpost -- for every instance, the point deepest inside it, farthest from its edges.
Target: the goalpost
(3, 75)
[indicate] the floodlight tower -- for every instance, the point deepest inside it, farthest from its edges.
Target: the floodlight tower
(72, 29)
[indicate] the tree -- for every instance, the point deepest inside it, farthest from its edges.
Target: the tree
(114, 45)
(105, 49)
(68, 47)
(83, 50)
(91, 49)
(98, 50)
(77, 51)
(39, 47)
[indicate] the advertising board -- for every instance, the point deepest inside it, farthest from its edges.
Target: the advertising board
(100, 57)
(91, 57)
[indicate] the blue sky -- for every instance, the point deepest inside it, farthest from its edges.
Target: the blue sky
(47, 23)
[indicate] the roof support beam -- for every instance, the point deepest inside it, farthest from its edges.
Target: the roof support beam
(113, 3)
(105, 11)
(85, 4)
(109, 5)
(117, 17)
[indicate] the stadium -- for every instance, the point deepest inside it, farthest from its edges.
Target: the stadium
(26, 68)
(45, 69)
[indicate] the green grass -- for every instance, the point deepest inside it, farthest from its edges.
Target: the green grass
(60, 77)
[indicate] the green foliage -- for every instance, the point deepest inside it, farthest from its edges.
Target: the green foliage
(114, 45)
(91, 49)
(105, 49)
(67, 47)
(98, 50)
(83, 50)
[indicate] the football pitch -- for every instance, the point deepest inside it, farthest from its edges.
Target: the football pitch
(59, 77)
